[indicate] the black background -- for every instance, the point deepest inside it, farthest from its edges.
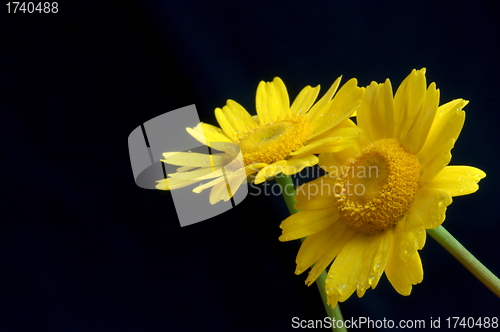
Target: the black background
(82, 248)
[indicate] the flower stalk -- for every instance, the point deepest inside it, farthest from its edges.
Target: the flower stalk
(457, 250)
(286, 184)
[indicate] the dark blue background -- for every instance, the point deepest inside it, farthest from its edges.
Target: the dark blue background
(82, 248)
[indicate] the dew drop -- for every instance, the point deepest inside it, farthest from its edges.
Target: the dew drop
(177, 176)
(189, 151)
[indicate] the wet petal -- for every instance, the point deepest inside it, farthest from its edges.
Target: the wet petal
(457, 180)
(206, 133)
(304, 100)
(359, 265)
(297, 164)
(341, 234)
(305, 223)
(271, 101)
(403, 274)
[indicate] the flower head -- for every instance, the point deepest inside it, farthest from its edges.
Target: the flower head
(369, 213)
(281, 138)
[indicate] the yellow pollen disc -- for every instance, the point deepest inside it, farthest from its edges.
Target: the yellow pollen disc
(271, 142)
(377, 186)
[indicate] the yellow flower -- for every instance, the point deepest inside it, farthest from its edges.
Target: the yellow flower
(370, 212)
(280, 138)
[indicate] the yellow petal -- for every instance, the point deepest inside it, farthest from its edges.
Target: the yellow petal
(343, 105)
(417, 133)
(408, 102)
(314, 204)
(181, 180)
(304, 100)
(332, 162)
(429, 207)
(271, 101)
(206, 133)
(325, 145)
(226, 124)
(427, 210)
(322, 188)
(410, 235)
(340, 108)
(457, 180)
(305, 223)
(297, 164)
(227, 188)
(219, 192)
(193, 159)
(317, 245)
(402, 275)
(376, 113)
(210, 184)
(162, 184)
(359, 265)
(270, 171)
(238, 117)
(345, 128)
(443, 133)
(318, 108)
(341, 234)
(431, 165)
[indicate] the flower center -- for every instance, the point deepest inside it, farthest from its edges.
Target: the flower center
(275, 141)
(377, 186)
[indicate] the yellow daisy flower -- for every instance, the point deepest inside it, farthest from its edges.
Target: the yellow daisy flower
(369, 213)
(280, 138)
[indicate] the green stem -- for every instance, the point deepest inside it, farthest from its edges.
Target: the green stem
(445, 239)
(288, 193)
